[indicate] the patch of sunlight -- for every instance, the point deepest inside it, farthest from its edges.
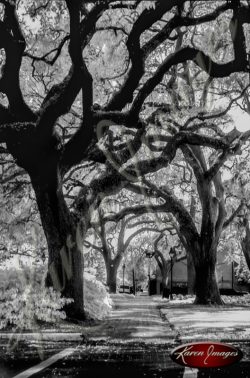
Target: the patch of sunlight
(147, 328)
(135, 320)
(148, 334)
(208, 318)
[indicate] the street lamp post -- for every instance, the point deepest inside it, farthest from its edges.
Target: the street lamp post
(123, 271)
(171, 282)
(233, 276)
(133, 272)
(136, 285)
(171, 254)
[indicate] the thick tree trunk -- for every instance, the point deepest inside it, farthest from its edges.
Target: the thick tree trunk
(72, 285)
(164, 268)
(246, 252)
(65, 260)
(206, 287)
(111, 270)
(190, 274)
(164, 282)
(245, 242)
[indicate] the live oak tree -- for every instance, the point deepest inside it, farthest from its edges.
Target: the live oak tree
(111, 247)
(32, 133)
(112, 240)
(140, 264)
(167, 253)
(142, 222)
(240, 189)
(151, 245)
(200, 239)
(113, 260)
(201, 243)
(245, 240)
(234, 241)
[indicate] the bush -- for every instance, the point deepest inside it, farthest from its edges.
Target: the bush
(237, 300)
(97, 302)
(242, 271)
(25, 301)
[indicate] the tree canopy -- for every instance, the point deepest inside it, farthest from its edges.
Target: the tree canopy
(97, 96)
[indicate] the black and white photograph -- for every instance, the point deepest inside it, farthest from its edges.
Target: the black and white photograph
(125, 188)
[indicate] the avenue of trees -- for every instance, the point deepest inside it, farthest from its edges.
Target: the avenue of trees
(124, 101)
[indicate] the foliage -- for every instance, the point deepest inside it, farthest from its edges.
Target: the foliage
(242, 271)
(94, 264)
(75, 64)
(25, 301)
(97, 302)
(21, 234)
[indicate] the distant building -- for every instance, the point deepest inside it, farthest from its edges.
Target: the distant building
(183, 277)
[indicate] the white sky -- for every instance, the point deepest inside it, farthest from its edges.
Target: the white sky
(241, 119)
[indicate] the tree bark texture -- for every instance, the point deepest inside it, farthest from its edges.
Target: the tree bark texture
(206, 287)
(111, 270)
(65, 257)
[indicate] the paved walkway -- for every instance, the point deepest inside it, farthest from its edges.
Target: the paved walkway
(134, 341)
(134, 337)
(134, 319)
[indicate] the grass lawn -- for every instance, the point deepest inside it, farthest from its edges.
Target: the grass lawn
(195, 322)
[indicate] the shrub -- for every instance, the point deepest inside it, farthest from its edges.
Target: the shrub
(242, 271)
(97, 302)
(25, 301)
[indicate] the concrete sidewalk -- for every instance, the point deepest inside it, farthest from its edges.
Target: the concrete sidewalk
(136, 340)
(133, 319)
(133, 341)
(139, 335)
